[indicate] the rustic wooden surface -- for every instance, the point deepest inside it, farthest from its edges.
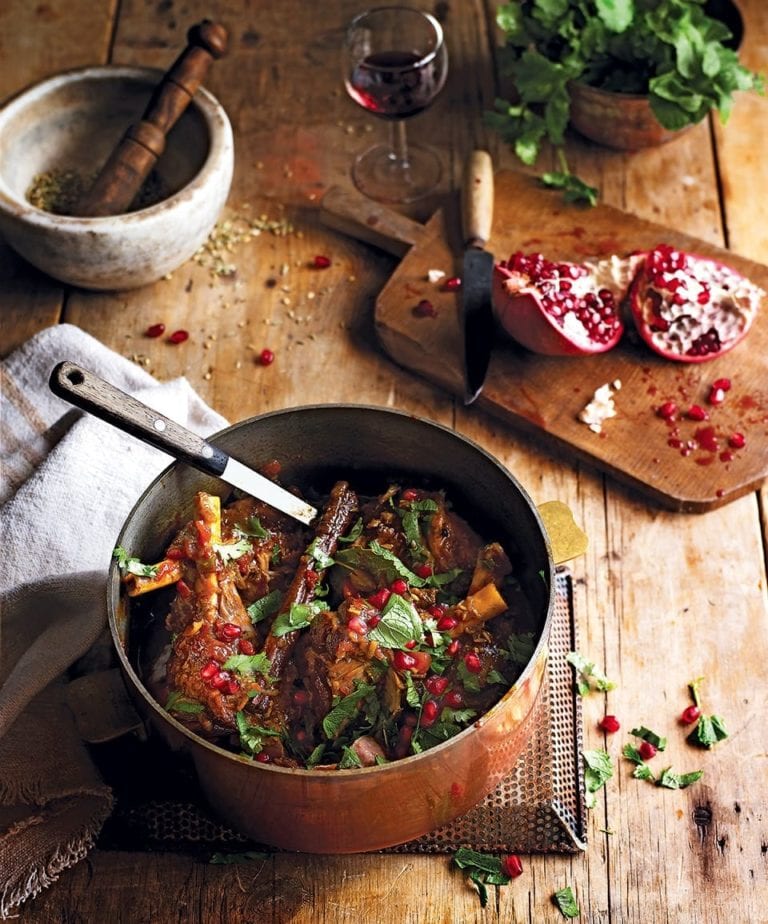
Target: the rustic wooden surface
(661, 597)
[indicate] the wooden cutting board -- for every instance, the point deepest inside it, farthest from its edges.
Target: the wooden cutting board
(542, 396)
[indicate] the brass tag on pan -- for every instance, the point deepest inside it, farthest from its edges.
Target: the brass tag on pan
(567, 539)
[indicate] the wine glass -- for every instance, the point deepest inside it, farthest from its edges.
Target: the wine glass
(395, 63)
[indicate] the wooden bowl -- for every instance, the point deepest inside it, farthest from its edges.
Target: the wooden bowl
(71, 122)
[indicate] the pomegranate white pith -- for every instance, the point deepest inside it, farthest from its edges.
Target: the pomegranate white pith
(691, 308)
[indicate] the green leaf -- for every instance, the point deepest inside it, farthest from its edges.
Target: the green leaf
(616, 14)
(598, 769)
(254, 529)
(465, 858)
(631, 753)
(469, 680)
(316, 756)
(566, 902)
(400, 623)
(574, 189)
(588, 676)
(251, 738)
(345, 709)
(177, 702)
(537, 78)
(643, 772)
(321, 558)
(130, 565)
(412, 696)
(245, 856)
(248, 664)
(349, 759)
(381, 564)
(231, 551)
(299, 616)
(355, 532)
(265, 607)
(708, 731)
(671, 780)
(651, 737)
(520, 647)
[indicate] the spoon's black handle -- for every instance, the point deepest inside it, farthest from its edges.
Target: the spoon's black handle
(87, 391)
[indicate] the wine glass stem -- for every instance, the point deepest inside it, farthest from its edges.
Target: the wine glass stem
(398, 143)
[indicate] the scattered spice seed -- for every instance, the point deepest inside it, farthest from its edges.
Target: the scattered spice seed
(155, 330)
(266, 357)
(178, 336)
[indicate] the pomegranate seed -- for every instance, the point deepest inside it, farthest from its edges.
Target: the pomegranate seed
(404, 661)
(410, 645)
(183, 588)
(436, 685)
(155, 330)
(716, 395)
(452, 284)
(300, 697)
(231, 687)
(512, 866)
(454, 699)
(425, 309)
(373, 621)
(220, 681)
(690, 715)
(209, 670)
(423, 571)
(737, 441)
(446, 623)
(722, 384)
(453, 649)
(380, 597)
(696, 412)
(647, 750)
(266, 357)
(399, 586)
(410, 494)
(357, 625)
(178, 336)
(472, 662)
(429, 713)
(609, 724)
(321, 262)
(245, 646)
(229, 631)
(262, 757)
(668, 410)
(437, 610)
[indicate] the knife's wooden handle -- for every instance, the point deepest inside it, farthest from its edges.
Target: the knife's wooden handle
(87, 391)
(477, 199)
(360, 217)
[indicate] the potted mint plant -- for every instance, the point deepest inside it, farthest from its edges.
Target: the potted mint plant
(626, 73)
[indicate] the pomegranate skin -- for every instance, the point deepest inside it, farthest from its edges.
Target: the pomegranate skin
(560, 308)
(690, 308)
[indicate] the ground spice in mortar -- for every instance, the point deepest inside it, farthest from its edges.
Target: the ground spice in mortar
(57, 191)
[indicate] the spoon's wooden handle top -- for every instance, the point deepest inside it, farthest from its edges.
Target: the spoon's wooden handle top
(129, 164)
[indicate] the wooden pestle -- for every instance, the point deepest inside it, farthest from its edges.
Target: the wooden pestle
(129, 164)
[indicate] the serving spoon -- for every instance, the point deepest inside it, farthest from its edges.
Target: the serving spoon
(87, 391)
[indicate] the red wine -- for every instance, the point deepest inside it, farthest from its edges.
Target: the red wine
(394, 84)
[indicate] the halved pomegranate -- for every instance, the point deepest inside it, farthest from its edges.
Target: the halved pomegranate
(691, 308)
(560, 308)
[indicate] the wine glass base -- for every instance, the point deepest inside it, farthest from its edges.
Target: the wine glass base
(378, 174)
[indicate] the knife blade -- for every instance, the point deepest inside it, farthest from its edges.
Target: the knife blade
(477, 271)
(87, 391)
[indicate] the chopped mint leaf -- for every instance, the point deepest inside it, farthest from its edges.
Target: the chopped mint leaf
(566, 902)
(672, 780)
(400, 623)
(265, 607)
(231, 551)
(248, 664)
(469, 680)
(632, 753)
(588, 675)
(355, 532)
(130, 565)
(496, 677)
(251, 738)
(708, 731)
(321, 558)
(483, 869)
(520, 647)
(643, 772)
(349, 759)
(299, 616)
(411, 693)
(598, 769)
(254, 529)
(316, 756)
(381, 564)
(651, 737)
(177, 702)
(245, 856)
(344, 709)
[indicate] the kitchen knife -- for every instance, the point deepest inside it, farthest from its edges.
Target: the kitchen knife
(87, 391)
(477, 271)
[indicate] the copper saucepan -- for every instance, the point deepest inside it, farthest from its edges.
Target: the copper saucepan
(368, 809)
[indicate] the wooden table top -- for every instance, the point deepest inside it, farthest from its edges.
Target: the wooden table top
(661, 597)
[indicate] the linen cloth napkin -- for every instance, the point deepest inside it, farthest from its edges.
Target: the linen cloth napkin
(67, 482)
